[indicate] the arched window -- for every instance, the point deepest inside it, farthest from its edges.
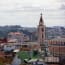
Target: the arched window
(42, 36)
(42, 29)
(64, 43)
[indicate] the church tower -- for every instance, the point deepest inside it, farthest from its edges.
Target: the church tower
(43, 48)
(41, 31)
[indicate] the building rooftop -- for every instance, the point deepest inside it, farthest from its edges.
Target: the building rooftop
(58, 39)
(52, 59)
(16, 33)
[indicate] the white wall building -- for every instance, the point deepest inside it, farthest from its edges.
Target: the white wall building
(20, 36)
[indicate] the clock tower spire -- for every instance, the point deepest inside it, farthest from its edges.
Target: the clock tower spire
(41, 30)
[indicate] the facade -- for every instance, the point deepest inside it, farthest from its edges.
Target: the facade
(30, 46)
(57, 46)
(20, 37)
(26, 38)
(8, 48)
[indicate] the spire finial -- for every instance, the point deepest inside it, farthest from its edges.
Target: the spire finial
(41, 20)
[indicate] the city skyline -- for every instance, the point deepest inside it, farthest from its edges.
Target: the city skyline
(27, 12)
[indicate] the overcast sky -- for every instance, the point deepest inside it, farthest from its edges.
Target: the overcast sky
(27, 12)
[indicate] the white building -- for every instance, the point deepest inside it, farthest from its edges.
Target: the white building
(19, 36)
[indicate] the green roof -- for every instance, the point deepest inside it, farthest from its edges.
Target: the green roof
(27, 55)
(23, 55)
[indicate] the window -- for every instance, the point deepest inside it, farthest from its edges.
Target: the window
(64, 43)
(24, 46)
(42, 35)
(42, 29)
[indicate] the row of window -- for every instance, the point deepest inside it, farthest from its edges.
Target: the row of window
(59, 44)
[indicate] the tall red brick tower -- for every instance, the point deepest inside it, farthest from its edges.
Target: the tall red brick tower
(41, 31)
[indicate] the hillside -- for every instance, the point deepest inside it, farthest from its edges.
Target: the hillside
(51, 32)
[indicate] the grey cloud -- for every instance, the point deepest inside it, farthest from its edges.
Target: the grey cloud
(23, 9)
(62, 0)
(62, 6)
(28, 15)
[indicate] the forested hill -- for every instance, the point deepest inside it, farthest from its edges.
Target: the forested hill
(51, 32)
